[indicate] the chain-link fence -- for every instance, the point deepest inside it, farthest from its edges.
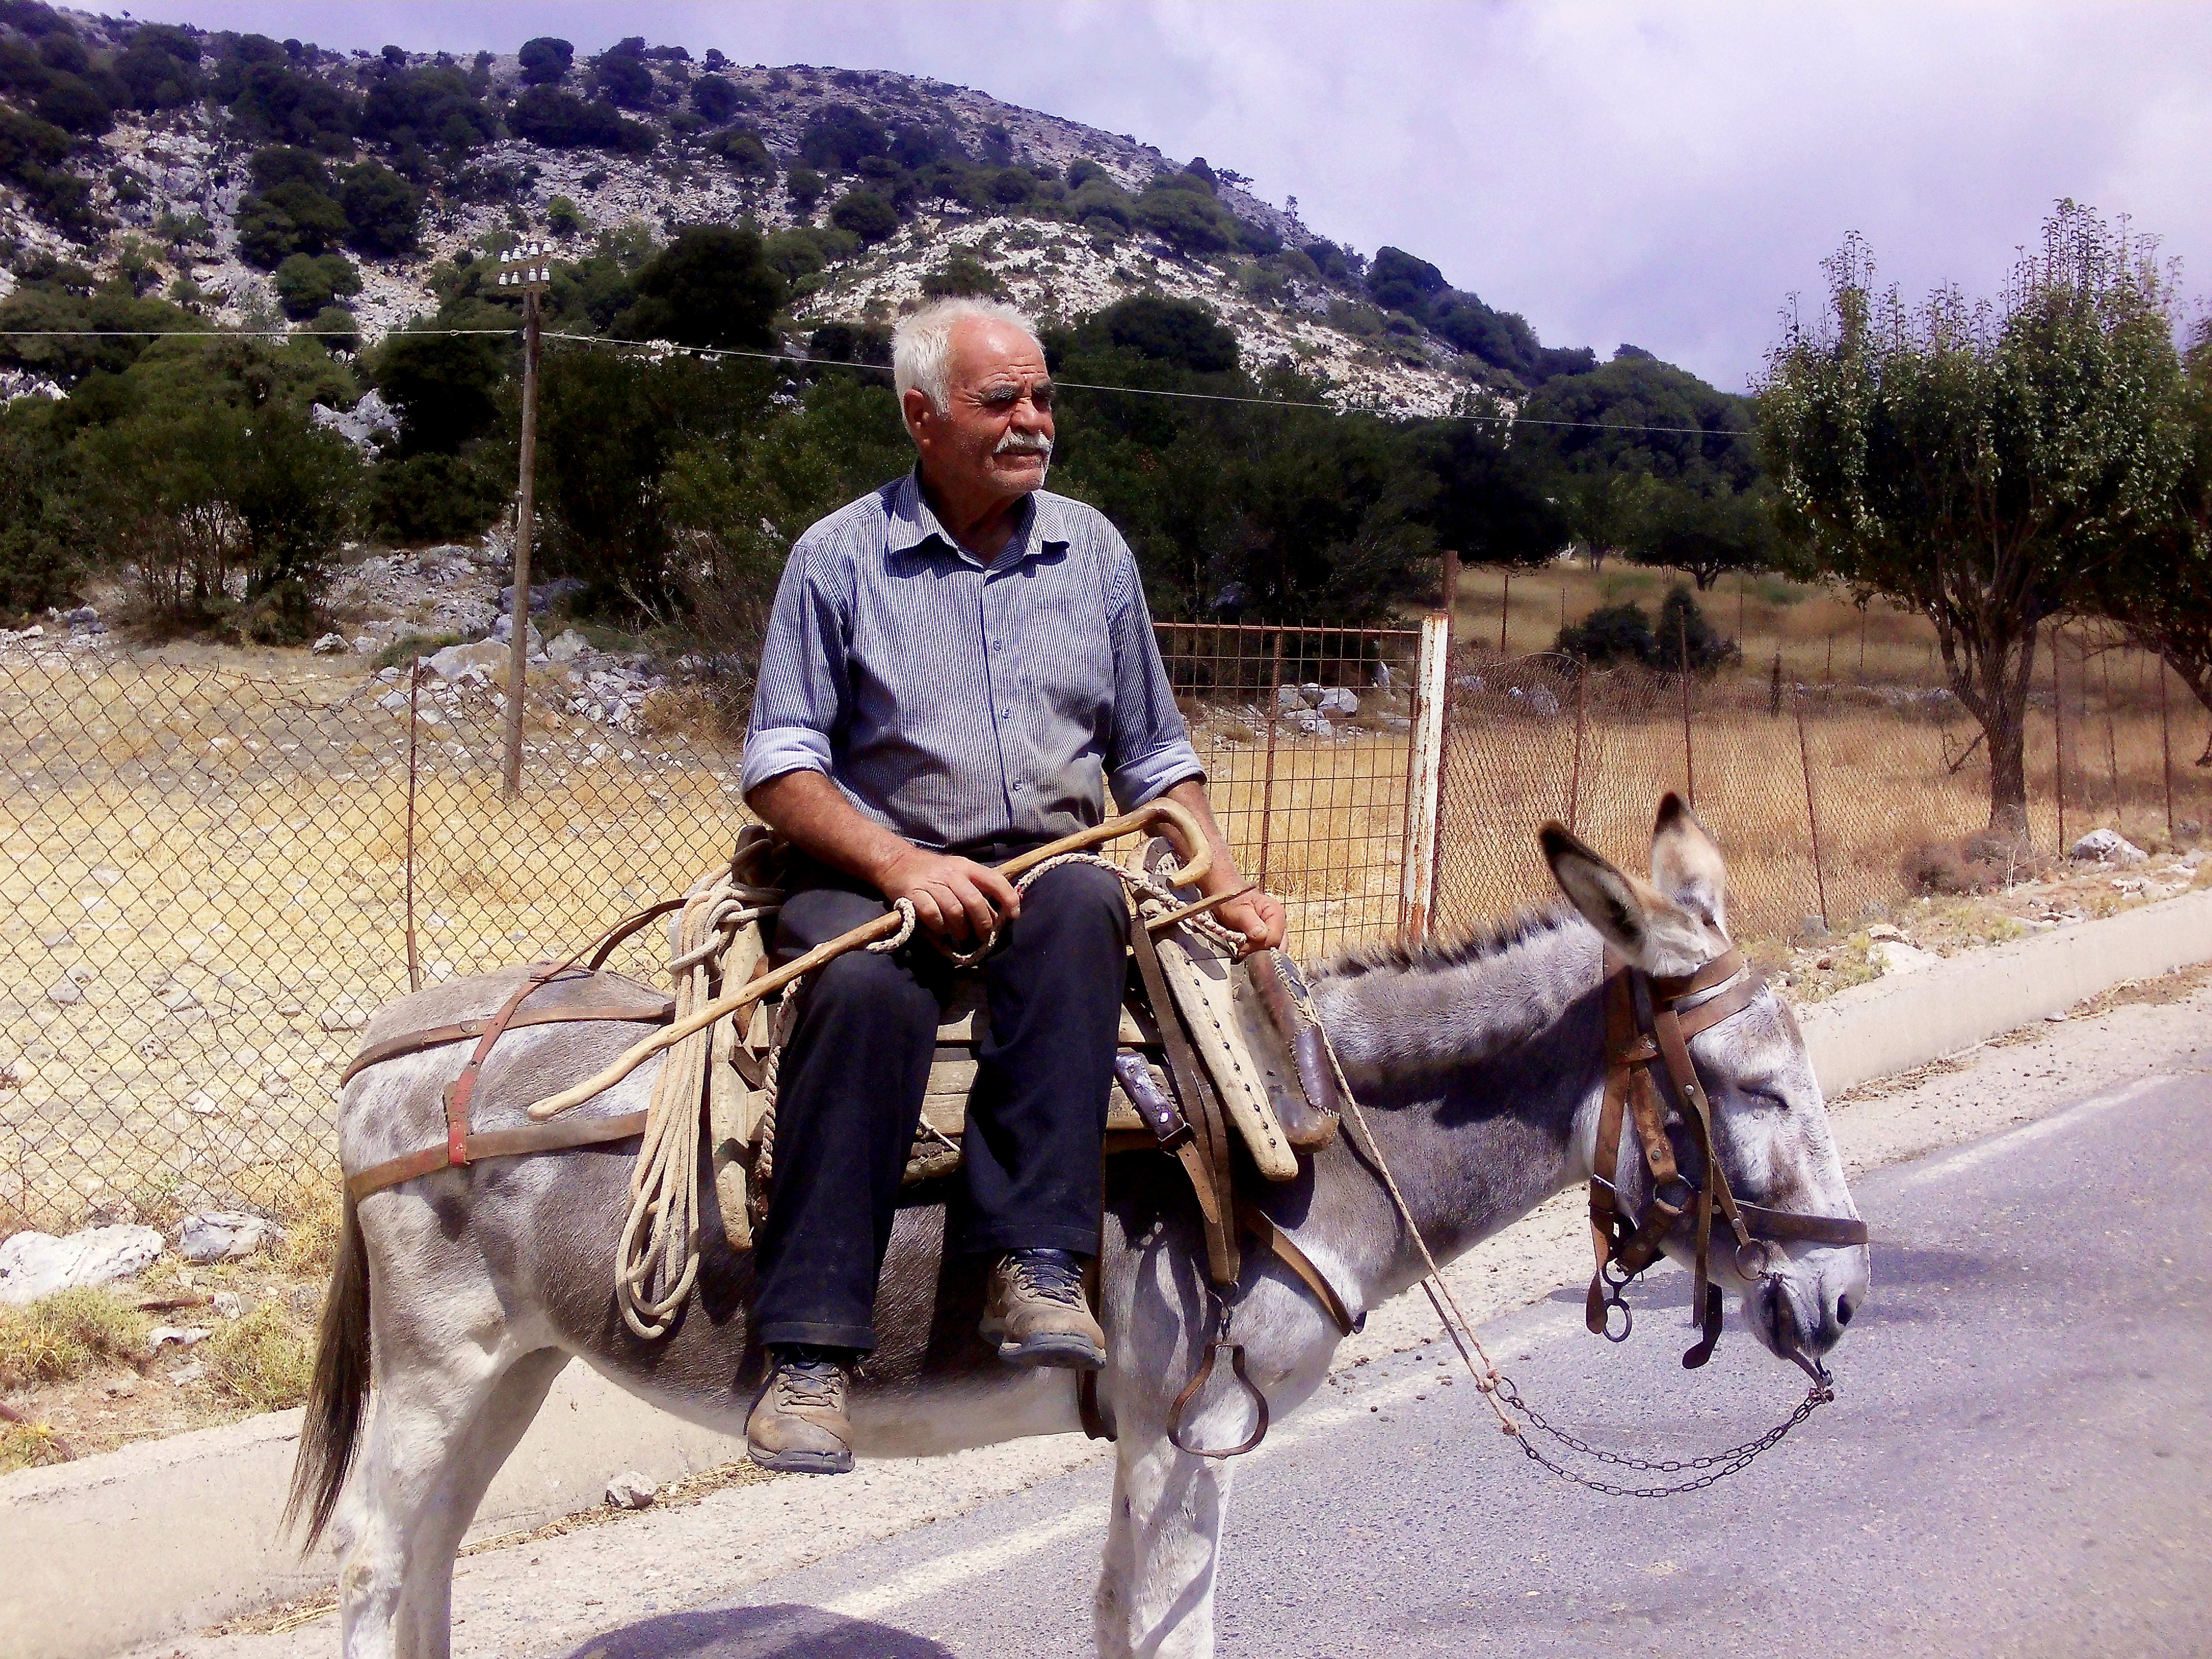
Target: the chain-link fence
(1826, 796)
(213, 878)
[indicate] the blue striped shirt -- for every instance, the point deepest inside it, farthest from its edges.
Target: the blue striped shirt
(958, 703)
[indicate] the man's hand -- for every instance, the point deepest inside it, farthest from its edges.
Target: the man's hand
(956, 899)
(1259, 916)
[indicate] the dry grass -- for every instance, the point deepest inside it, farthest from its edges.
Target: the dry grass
(62, 1336)
(262, 1361)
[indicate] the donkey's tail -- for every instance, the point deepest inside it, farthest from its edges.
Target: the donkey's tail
(339, 1394)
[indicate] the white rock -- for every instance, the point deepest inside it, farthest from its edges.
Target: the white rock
(346, 1014)
(182, 1335)
(64, 992)
(2106, 847)
(455, 660)
(1322, 728)
(224, 1234)
(178, 998)
(393, 703)
(1884, 930)
(201, 1103)
(329, 645)
(1289, 699)
(631, 1491)
(186, 1375)
(1340, 700)
(1894, 957)
(2194, 857)
(567, 645)
(1540, 702)
(227, 1304)
(32, 1265)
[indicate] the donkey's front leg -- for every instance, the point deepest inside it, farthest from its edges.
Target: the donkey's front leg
(1156, 1595)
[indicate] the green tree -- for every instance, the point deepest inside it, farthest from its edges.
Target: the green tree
(710, 286)
(866, 214)
(444, 386)
(305, 285)
(2161, 595)
(39, 539)
(382, 209)
(1984, 465)
(546, 60)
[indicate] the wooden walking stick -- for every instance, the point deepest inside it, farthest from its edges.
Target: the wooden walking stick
(1198, 859)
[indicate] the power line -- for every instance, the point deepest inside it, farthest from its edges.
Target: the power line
(719, 352)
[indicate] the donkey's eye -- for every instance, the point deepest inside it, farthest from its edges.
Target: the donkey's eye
(1764, 1100)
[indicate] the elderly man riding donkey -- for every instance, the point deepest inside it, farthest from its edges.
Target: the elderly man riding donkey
(957, 668)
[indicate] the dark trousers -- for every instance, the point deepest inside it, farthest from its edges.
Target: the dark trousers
(852, 1078)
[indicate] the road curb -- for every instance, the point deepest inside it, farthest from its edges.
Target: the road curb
(1906, 1020)
(170, 1536)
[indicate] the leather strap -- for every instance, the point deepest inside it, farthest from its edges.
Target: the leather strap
(408, 1042)
(1204, 1156)
(560, 1135)
(463, 1087)
(1262, 1225)
(1780, 1225)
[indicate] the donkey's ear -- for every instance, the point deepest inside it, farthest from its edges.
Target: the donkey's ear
(1685, 863)
(1647, 929)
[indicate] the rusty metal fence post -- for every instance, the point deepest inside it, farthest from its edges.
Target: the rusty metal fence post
(2165, 750)
(2058, 737)
(1274, 708)
(1575, 776)
(1689, 760)
(1812, 815)
(414, 690)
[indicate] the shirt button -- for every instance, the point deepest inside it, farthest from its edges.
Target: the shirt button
(1018, 789)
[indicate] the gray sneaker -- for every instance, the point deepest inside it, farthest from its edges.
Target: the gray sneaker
(797, 1426)
(1038, 1315)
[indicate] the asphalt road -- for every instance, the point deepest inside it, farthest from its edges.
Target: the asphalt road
(2018, 1463)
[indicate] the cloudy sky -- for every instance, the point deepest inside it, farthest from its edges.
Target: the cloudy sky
(1667, 174)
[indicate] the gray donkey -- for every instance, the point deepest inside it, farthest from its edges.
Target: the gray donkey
(459, 1296)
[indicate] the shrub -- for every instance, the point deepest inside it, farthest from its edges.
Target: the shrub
(866, 214)
(292, 217)
(260, 1361)
(434, 498)
(1682, 622)
(743, 150)
(718, 98)
(382, 210)
(1180, 331)
(563, 217)
(561, 120)
(806, 187)
(1984, 862)
(72, 104)
(335, 329)
(65, 1336)
(839, 138)
(1399, 281)
(546, 60)
(964, 274)
(793, 253)
(306, 285)
(1611, 634)
(1187, 219)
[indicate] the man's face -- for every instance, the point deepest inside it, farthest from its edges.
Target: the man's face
(995, 438)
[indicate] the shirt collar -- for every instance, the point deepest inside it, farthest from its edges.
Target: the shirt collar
(914, 524)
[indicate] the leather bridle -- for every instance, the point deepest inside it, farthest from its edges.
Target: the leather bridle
(1679, 1009)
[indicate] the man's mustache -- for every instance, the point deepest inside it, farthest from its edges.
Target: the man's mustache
(1023, 443)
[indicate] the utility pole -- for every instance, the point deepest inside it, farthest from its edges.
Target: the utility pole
(527, 270)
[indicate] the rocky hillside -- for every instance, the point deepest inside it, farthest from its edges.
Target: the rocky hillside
(252, 181)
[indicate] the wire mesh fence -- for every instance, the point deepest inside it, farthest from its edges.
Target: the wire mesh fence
(1305, 734)
(1828, 796)
(214, 878)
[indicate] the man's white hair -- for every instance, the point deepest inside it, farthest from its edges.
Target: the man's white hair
(921, 344)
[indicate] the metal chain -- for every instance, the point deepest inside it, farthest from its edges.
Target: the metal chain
(1497, 1389)
(1718, 1465)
